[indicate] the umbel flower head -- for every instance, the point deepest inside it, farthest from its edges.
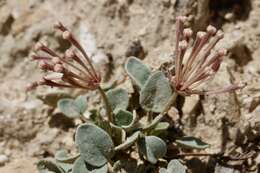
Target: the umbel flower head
(200, 65)
(74, 69)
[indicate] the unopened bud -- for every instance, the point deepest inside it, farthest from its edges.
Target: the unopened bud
(201, 34)
(181, 18)
(211, 30)
(38, 46)
(66, 35)
(220, 34)
(187, 32)
(59, 68)
(56, 60)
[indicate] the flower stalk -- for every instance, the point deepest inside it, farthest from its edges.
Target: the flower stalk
(200, 65)
(74, 69)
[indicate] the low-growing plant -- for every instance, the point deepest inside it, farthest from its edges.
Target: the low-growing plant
(129, 132)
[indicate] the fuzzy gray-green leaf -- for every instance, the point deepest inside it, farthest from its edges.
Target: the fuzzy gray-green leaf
(152, 148)
(137, 71)
(163, 170)
(123, 118)
(118, 99)
(175, 166)
(67, 167)
(63, 156)
(159, 128)
(80, 166)
(73, 108)
(47, 165)
(191, 142)
(95, 145)
(156, 93)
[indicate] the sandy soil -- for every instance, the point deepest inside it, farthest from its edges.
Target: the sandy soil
(30, 130)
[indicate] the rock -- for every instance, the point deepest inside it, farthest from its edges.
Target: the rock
(135, 49)
(3, 159)
(190, 104)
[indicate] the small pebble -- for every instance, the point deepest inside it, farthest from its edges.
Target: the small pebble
(3, 159)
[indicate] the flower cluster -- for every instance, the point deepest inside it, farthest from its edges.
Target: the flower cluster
(199, 65)
(74, 69)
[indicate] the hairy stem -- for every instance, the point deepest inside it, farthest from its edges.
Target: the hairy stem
(108, 107)
(159, 117)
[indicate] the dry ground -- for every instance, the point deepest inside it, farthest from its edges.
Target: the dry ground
(230, 122)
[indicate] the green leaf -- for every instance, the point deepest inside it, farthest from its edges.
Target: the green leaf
(73, 108)
(51, 98)
(80, 166)
(81, 103)
(174, 166)
(137, 71)
(123, 118)
(191, 142)
(162, 126)
(118, 99)
(44, 166)
(67, 167)
(156, 93)
(159, 128)
(95, 145)
(163, 170)
(63, 156)
(152, 148)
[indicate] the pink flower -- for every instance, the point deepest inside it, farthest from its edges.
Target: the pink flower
(72, 70)
(201, 64)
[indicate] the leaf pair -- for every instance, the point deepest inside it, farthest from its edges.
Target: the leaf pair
(152, 148)
(118, 99)
(73, 108)
(155, 89)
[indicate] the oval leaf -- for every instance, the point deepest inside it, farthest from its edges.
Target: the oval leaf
(118, 99)
(95, 145)
(81, 103)
(175, 166)
(63, 156)
(80, 166)
(123, 118)
(67, 167)
(46, 165)
(159, 128)
(163, 170)
(191, 142)
(152, 148)
(73, 108)
(137, 71)
(155, 93)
